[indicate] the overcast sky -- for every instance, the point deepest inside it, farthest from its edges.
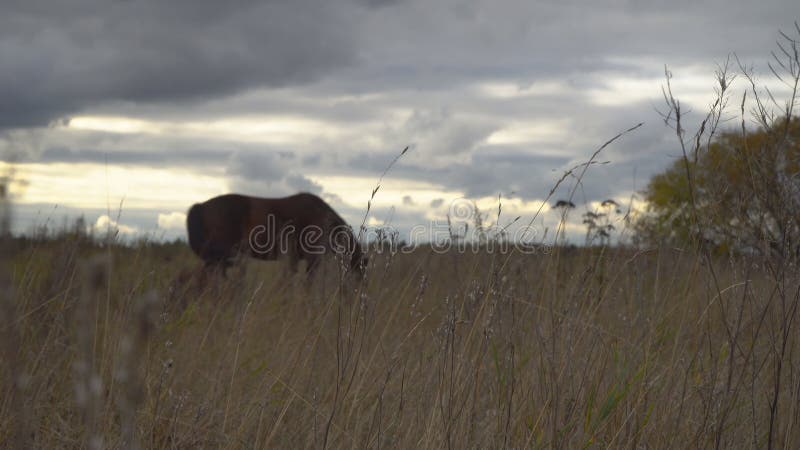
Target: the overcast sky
(142, 108)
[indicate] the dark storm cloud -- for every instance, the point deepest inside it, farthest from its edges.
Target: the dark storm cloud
(299, 183)
(265, 165)
(488, 171)
(444, 43)
(65, 57)
(439, 132)
(379, 3)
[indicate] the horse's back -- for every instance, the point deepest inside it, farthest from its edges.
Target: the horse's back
(299, 210)
(312, 210)
(220, 227)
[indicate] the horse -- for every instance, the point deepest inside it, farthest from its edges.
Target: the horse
(301, 226)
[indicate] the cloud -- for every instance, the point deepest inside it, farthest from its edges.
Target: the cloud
(270, 98)
(29, 217)
(105, 224)
(379, 3)
(439, 132)
(302, 184)
(266, 166)
(173, 220)
(61, 59)
(268, 174)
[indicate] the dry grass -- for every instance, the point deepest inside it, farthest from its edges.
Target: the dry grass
(580, 348)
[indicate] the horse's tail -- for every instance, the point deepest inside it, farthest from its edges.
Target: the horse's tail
(196, 229)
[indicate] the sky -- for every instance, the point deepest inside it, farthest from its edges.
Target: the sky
(127, 112)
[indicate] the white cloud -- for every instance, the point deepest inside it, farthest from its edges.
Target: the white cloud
(529, 132)
(105, 224)
(173, 220)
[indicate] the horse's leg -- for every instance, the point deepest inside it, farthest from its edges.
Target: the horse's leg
(238, 263)
(211, 268)
(222, 268)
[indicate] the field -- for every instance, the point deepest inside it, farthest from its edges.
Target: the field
(127, 346)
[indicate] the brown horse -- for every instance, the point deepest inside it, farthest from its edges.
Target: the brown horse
(300, 226)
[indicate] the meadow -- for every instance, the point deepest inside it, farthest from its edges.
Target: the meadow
(126, 346)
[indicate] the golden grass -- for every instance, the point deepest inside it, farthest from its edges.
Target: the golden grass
(125, 347)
